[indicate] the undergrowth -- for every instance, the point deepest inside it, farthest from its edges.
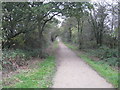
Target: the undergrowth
(34, 78)
(39, 76)
(13, 59)
(106, 55)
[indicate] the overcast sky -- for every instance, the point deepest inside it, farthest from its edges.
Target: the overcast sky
(110, 1)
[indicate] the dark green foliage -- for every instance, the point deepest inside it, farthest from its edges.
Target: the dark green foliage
(109, 55)
(21, 53)
(26, 22)
(12, 59)
(105, 54)
(113, 61)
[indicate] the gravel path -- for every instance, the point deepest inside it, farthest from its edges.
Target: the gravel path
(73, 72)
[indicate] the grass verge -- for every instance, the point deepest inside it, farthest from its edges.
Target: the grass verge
(35, 78)
(39, 76)
(103, 69)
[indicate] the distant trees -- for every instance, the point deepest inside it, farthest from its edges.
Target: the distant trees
(79, 11)
(96, 24)
(97, 19)
(67, 25)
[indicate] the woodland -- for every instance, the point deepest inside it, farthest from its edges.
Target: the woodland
(30, 29)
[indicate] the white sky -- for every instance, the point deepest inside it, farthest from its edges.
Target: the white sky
(109, 1)
(60, 19)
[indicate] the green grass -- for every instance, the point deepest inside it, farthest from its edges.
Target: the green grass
(0, 84)
(103, 69)
(40, 77)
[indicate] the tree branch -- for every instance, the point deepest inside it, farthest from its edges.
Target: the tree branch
(25, 31)
(42, 29)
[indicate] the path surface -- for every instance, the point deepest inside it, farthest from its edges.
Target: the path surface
(72, 72)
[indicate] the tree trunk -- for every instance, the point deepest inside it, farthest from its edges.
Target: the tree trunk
(70, 34)
(79, 42)
(95, 28)
(40, 39)
(80, 32)
(119, 30)
(101, 33)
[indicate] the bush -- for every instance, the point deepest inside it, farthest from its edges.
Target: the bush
(109, 55)
(12, 59)
(112, 61)
(106, 54)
